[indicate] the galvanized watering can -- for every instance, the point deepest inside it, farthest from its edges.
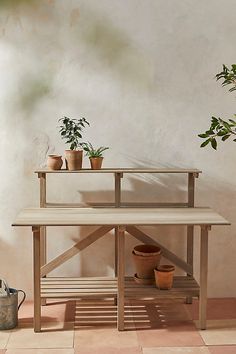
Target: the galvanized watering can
(9, 305)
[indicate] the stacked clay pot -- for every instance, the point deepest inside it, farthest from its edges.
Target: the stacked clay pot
(146, 258)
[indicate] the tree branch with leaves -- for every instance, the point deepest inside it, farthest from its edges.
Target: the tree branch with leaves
(220, 128)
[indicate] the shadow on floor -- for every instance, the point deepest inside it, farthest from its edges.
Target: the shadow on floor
(138, 314)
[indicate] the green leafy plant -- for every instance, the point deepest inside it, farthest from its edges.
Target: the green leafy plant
(219, 128)
(71, 130)
(92, 151)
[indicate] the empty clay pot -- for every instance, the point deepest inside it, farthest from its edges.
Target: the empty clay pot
(73, 159)
(145, 265)
(96, 163)
(147, 250)
(54, 162)
(164, 276)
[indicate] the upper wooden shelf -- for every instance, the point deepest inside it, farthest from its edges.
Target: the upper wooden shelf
(124, 170)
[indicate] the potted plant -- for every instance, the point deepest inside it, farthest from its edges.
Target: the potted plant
(219, 128)
(95, 155)
(71, 130)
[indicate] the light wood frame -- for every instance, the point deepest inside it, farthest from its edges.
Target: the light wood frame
(118, 175)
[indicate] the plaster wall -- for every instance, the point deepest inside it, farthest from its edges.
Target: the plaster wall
(142, 73)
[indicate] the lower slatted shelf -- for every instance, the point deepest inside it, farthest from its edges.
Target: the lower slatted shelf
(102, 287)
(182, 286)
(99, 287)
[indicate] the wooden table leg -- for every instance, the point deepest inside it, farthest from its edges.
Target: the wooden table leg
(203, 276)
(36, 263)
(116, 258)
(190, 229)
(43, 240)
(118, 177)
(121, 279)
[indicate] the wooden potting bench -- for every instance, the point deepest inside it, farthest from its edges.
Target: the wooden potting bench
(122, 218)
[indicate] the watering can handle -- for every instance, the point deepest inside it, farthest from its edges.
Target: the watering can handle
(4, 284)
(23, 299)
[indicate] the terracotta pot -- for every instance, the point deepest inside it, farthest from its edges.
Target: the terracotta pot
(96, 163)
(145, 265)
(147, 250)
(54, 162)
(73, 159)
(164, 276)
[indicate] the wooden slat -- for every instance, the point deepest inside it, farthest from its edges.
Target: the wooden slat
(79, 246)
(118, 216)
(75, 286)
(80, 291)
(79, 279)
(123, 170)
(77, 295)
(137, 204)
(141, 236)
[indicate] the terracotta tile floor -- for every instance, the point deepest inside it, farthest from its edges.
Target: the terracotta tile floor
(161, 327)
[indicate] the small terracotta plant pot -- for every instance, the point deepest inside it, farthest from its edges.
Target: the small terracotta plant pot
(96, 163)
(164, 276)
(73, 159)
(145, 264)
(54, 162)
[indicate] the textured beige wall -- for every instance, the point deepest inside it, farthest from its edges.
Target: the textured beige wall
(141, 71)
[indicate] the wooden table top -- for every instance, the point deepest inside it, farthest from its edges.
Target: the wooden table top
(124, 170)
(118, 216)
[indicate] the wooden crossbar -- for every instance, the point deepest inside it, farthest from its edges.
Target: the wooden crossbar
(79, 246)
(141, 236)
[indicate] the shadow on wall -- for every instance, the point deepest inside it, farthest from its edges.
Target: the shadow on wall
(215, 195)
(35, 90)
(111, 47)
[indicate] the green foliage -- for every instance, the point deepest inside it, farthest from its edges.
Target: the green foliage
(71, 130)
(93, 152)
(219, 128)
(229, 76)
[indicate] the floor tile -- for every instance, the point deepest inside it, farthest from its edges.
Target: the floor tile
(176, 350)
(216, 309)
(219, 332)
(175, 334)
(53, 335)
(110, 350)
(54, 311)
(4, 337)
(229, 349)
(104, 338)
(40, 351)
